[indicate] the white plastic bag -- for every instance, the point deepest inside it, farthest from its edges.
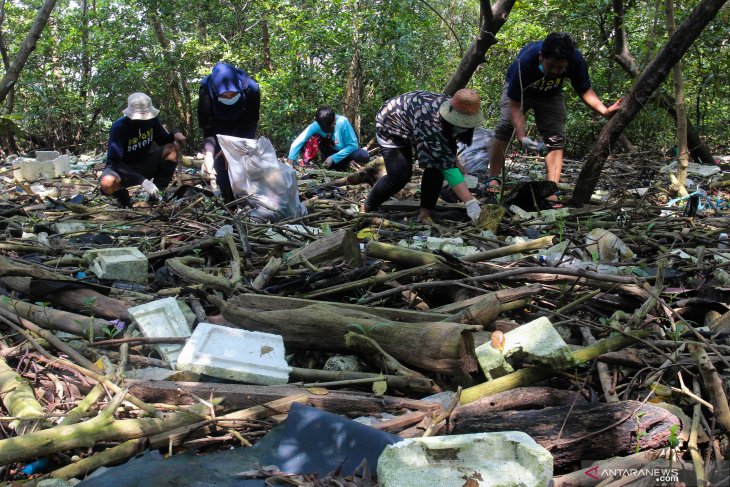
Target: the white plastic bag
(475, 157)
(255, 172)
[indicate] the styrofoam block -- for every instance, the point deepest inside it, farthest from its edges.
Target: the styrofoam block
(162, 318)
(490, 459)
(122, 264)
(232, 353)
(536, 341)
(47, 155)
(68, 227)
(27, 169)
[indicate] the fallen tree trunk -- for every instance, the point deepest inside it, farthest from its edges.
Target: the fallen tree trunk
(239, 396)
(263, 302)
(53, 319)
(442, 347)
(591, 431)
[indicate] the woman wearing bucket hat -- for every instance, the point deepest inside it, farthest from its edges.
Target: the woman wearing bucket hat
(229, 103)
(432, 124)
(141, 152)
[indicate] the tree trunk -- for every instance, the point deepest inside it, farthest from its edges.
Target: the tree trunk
(490, 21)
(682, 155)
(622, 55)
(592, 430)
(266, 44)
(13, 72)
(353, 88)
(654, 74)
(179, 94)
(85, 58)
(440, 347)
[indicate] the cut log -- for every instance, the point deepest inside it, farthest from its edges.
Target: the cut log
(338, 245)
(440, 347)
(592, 431)
(521, 398)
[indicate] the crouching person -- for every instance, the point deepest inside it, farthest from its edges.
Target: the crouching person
(336, 141)
(141, 152)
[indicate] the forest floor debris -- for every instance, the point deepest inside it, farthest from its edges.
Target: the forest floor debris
(377, 313)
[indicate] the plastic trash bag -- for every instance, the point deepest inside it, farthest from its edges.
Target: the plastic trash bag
(254, 171)
(475, 157)
(607, 246)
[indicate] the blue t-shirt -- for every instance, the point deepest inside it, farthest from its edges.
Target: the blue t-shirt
(536, 83)
(343, 136)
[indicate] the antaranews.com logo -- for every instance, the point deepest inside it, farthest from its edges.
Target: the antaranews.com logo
(660, 472)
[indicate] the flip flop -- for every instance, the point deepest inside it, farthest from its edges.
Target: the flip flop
(493, 188)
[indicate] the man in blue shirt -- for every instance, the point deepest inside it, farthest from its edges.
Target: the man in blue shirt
(535, 81)
(141, 152)
(337, 141)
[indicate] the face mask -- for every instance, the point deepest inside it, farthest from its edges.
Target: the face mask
(539, 66)
(230, 101)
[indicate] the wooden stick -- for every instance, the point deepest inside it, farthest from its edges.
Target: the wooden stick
(713, 386)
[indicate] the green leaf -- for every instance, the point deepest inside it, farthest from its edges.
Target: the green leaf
(380, 387)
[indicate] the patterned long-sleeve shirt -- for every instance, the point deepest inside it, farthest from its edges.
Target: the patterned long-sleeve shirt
(413, 118)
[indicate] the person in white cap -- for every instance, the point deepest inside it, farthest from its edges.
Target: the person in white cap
(141, 152)
(431, 123)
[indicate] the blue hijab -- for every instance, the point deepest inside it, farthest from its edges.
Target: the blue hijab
(222, 79)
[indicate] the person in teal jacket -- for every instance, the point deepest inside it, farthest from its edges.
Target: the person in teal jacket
(337, 141)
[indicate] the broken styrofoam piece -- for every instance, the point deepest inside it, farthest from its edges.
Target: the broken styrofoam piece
(120, 264)
(149, 373)
(47, 155)
(235, 354)
(162, 318)
(536, 341)
(506, 458)
(693, 169)
(26, 169)
(607, 246)
(62, 228)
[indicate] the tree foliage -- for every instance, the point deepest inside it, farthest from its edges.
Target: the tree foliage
(92, 54)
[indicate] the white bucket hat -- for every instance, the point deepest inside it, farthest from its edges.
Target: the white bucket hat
(139, 107)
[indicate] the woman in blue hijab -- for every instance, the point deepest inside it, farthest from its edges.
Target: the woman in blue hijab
(229, 103)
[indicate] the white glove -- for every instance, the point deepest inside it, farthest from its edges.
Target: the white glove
(208, 169)
(150, 188)
(529, 144)
(328, 163)
(473, 210)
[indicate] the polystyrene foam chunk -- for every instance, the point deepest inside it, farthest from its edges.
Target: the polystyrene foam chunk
(232, 353)
(162, 318)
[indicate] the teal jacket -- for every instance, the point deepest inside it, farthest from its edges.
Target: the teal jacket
(343, 136)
